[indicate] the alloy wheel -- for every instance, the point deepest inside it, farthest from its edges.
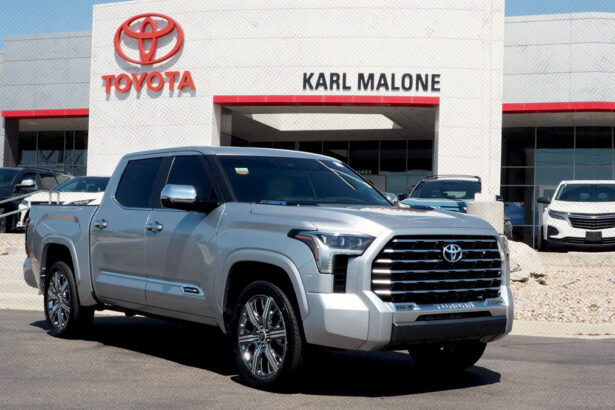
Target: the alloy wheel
(58, 299)
(262, 336)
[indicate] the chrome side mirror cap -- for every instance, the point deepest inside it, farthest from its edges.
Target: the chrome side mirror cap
(177, 194)
(543, 200)
(26, 183)
(185, 197)
(392, 198)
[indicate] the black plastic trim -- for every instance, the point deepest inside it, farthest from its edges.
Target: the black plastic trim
(411, 333)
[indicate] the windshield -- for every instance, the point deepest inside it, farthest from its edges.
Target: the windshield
(586, 193)
(83, 185)
(446, 189)
(7, 176)
(297, 180)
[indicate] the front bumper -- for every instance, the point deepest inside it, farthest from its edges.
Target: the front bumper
(576, 238)
(365, 322)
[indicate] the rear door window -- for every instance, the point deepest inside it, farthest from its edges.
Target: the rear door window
(135, 189)
(48, 181)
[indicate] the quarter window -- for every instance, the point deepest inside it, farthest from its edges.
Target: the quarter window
(135, 187)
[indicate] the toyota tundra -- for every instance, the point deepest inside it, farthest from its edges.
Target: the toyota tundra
(281, 250)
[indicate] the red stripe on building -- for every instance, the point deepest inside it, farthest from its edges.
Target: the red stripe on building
(326, 100)
(529, 108)
(25, 114)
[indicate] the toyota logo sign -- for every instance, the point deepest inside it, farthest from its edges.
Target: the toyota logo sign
(452, 253)
(148, 31)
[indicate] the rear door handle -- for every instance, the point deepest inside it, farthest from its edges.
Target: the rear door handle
(102, 224)
(155, 227)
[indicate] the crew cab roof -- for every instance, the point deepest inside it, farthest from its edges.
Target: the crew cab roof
(256, 152)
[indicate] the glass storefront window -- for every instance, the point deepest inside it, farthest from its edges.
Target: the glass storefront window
(50, 151)
(336, 149)
(518, 146)
(363, 157)
(555, 146)
(420, 154)
(594, 147)
(315, 147)
(64, 151)
(27, 148)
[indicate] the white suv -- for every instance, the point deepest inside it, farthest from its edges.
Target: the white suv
(580, 215)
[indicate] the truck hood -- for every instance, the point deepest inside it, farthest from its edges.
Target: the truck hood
(582, 207)
(371, 220)
(442, 203)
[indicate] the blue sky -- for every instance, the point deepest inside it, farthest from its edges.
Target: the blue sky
(53, 16)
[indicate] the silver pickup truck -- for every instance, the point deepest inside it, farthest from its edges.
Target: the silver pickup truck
(281, 250)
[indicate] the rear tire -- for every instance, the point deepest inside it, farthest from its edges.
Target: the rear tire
(447, 356)
(65, 315)
(266, 337)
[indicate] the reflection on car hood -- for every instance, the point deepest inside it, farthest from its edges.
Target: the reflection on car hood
(372, 220)
(583, 207)
(456, 204)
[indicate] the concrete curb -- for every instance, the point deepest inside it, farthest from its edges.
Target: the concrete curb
(563, 329)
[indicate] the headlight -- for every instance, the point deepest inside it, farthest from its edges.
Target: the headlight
(557, 215)
(325, 246)
(504, 257)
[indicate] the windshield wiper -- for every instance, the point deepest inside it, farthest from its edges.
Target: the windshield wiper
(286, 203)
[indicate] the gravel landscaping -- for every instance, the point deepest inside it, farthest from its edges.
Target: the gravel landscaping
(546, 288)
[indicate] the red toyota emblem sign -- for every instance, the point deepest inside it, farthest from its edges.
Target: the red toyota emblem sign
(148, 31)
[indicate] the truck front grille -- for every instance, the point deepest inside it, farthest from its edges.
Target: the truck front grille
(592, 222)
(413, 269)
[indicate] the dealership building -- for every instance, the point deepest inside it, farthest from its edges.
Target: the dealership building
(398, 89)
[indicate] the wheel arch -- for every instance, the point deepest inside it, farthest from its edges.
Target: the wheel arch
(270, 266)
(57, 248)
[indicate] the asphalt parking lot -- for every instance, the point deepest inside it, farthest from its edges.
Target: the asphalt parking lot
(147, 363)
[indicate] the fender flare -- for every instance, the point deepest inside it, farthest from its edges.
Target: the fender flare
(271, 258)
(84, 288)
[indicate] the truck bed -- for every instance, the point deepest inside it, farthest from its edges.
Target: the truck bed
(65, 225)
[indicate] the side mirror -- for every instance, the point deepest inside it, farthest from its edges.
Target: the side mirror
(184, 197)
(499, 198)
(392, 198)
(401, 197)
(26, 184)
(543, 200)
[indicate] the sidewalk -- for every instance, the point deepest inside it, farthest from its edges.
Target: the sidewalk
(563, 329)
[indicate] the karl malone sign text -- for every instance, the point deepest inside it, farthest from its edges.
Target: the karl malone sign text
(371, 82)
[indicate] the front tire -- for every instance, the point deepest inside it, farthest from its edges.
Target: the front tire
(266, 336)
(62, 310)
(448, 356)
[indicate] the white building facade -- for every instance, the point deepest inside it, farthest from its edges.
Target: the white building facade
(399, 89)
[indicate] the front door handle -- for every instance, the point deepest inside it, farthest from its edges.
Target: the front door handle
(102, 224)
(155, 227)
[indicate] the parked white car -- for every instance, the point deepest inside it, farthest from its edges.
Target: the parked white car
(580, 215)
(75, 191)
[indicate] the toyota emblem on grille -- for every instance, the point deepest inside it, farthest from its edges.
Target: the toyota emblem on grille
(452, 253)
